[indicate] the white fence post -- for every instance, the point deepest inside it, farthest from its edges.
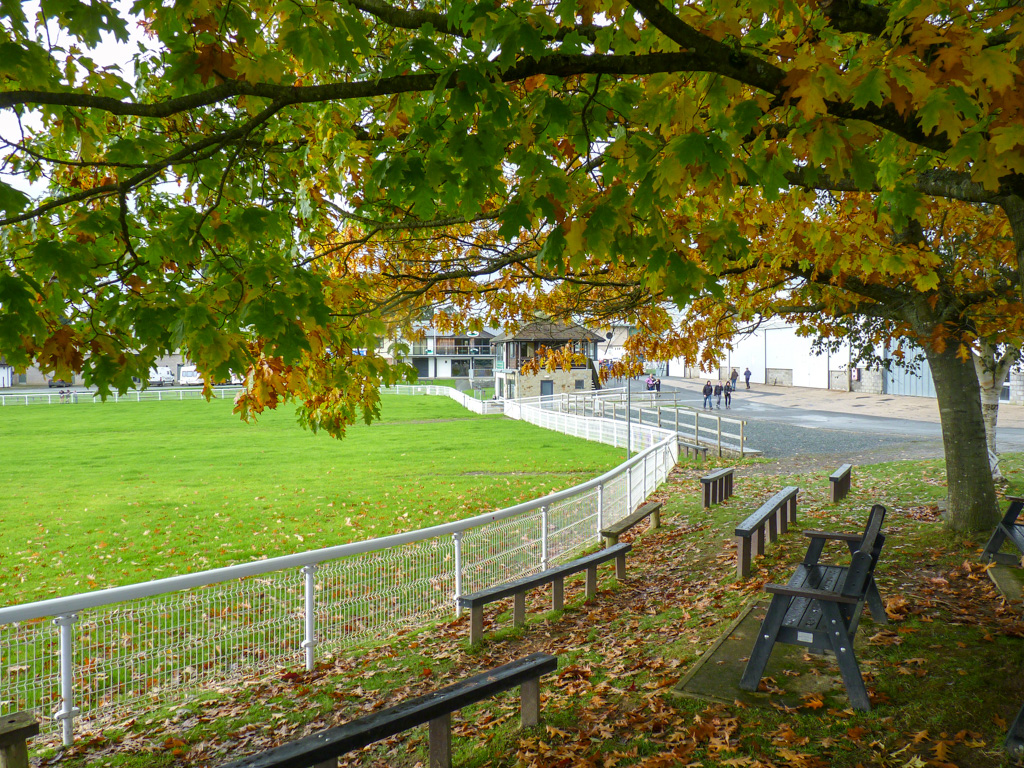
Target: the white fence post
(600, 510)
(544, 538)
(309, 572)
(66, 714)
(457, 539)
(629, 490)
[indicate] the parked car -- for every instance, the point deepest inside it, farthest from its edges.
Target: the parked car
(189, 376)
(54, 382)
(160, 376)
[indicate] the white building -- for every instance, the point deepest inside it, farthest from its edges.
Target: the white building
(776, 355)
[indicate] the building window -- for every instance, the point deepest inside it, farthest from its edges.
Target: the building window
(580, 383)
(460, 367)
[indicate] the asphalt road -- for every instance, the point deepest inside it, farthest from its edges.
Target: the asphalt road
(783, 431)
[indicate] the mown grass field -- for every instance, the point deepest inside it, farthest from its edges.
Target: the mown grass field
(104, 495)
(946, 674)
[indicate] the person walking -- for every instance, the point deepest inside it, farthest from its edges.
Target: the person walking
(718, 395)
(657, 385)
(746, 377)
(728, 393)
(733, 376)
(707, 391)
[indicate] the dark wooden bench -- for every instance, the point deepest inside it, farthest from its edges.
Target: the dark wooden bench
(324, 748)
(688, 447)
(652, 509)
(554, 576)
(1008, 528)
(1014, 743)
(839, 483)
(776, 514)
(717, 486)
(15, 731)
(820, 608)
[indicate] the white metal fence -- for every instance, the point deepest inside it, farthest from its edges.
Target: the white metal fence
(468, 401)
(88, 397)
(104, 652)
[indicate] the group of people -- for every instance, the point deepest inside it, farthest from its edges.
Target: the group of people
(653, 384)
(719, 389)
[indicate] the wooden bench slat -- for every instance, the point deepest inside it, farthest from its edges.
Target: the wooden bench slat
(334, 742)
(508, 589)
(754, 521)
(844, 469)
(617, 529)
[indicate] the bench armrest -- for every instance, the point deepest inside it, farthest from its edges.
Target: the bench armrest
(834, 536)
(810, 594)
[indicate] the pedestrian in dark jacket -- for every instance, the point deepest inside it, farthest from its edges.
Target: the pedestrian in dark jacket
(746, 377)
(718, 395)
(707, 391)
(728, 393)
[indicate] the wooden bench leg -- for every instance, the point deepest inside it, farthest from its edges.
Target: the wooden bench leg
(519, 609)
(620, 567)
(655, 519)
(743, 556)
(14, 755)
(773, 524)
(591, 582)
(476, 624)
(610, 539)
(728, 486)
(792, 510)
(441, 741)
(558, 593)
(833, 491)
(329, 763)
(783, 519)
(875, 604)
(707, 495)
(842, 647)
(759, 540)
(529, 695)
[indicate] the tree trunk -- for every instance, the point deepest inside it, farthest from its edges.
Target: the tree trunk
(972, 493)
(992, 369)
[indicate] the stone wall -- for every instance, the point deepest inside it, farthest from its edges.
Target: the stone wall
(868, 381)
(780, 377)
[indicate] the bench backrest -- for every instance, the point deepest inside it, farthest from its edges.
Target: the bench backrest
(844, 469)
(712, 476)
(752, 523)
(862, 564)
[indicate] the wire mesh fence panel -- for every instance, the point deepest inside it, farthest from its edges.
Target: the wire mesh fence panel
(572, 526)
(502, 551)
(366, 595)
(29, 668)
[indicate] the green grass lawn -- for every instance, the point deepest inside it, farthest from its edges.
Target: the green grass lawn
(103, 495)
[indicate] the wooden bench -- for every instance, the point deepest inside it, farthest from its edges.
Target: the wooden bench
(15, 731)
(323, 749)
(839, 483)
(612, 532)
(1014, 743)
(701, 449)
(1008, 528)
(717, 486)
(554, 576)
(776, 513)
(820, 608)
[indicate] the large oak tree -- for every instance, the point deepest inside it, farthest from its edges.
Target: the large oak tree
(235, 189)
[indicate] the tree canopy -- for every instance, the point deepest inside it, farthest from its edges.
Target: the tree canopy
(271, 186)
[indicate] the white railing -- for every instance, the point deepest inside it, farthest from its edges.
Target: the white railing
(467, 401)
(101, 653)
(662, 410)
(85, 396)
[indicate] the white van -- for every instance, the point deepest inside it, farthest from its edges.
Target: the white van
(189, 376)
(160, 376)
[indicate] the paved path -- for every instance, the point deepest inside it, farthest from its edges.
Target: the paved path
(796, 421)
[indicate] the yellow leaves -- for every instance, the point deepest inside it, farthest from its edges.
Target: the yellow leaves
(808, 90)
(574, 236)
